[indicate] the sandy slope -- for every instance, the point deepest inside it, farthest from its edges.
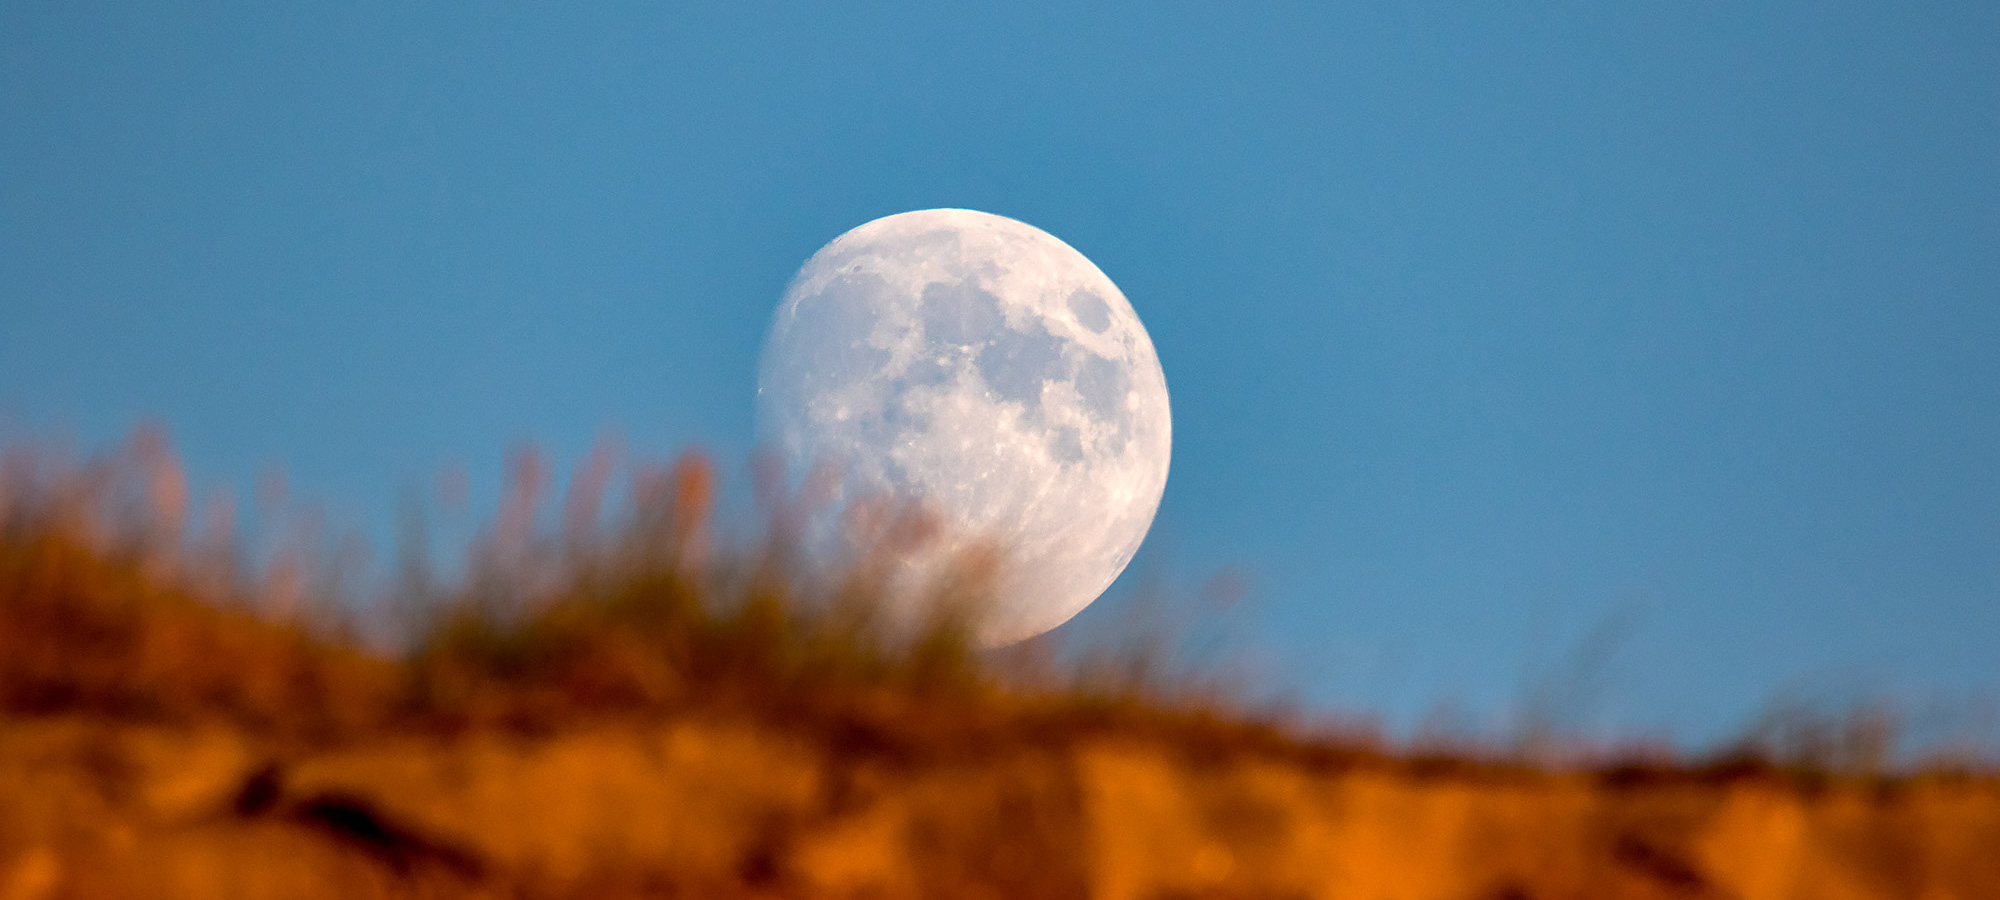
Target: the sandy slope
(89, 809)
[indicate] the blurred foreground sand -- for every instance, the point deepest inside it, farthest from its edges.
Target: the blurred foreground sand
(632, 712)
(90, 809)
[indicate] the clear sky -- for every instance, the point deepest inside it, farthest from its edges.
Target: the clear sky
(1488, 325)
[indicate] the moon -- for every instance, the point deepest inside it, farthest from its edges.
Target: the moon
(981, 367)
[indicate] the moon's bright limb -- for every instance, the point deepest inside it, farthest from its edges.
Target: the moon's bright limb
(989, 370)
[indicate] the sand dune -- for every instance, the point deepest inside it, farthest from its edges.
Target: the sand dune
(643, 717)
(90, 809)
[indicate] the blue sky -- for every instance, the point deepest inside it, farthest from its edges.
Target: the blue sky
(1486, 324)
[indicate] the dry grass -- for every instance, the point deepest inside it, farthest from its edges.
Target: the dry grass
(796, 731)
(109, 606)
(106, 610)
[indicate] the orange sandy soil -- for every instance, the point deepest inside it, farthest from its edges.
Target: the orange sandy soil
(90, 808)
(651, 720)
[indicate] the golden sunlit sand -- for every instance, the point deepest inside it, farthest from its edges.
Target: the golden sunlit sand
(643, 711)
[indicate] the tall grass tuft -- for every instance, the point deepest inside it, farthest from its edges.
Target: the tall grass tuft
(109, 604)
(610, 606)
(628, 599)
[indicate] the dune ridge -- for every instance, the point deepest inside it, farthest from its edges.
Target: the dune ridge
(626, 706)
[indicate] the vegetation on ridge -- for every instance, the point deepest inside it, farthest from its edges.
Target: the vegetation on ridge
(631, 704)
(111, 604)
